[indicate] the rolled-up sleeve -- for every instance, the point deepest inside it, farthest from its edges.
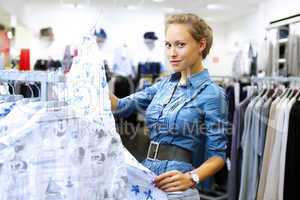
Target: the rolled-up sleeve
(216, 113)
(136, 102)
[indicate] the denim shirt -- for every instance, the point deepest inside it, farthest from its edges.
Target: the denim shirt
(191, 116)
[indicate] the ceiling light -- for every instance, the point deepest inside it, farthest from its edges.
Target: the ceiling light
(132, 7)
(172, 10)
(216, 7)
(72, 5)
(158, 1)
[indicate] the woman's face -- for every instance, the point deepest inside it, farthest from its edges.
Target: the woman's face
(183, 51)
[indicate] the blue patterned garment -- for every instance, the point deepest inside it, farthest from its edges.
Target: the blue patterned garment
(191, 116)
(6, 108)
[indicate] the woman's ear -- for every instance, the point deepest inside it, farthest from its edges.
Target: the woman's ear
(202, 45)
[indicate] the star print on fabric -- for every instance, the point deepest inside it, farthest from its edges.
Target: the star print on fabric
(148, 195)
(135, 189)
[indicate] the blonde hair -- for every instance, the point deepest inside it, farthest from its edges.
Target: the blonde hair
(198, 28)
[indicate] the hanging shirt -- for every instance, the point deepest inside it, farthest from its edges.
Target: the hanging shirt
(272, 183)
(269, 54)
(256, 134)
(241, 63)
(70, 152)
(292, 55)
(51, 152)
(268, 148)
(248, 154)
(123, 63)
(141, 185)
(150, 64)
(46, 50)
(94, 104)
(6, 108)
(236, 152)
(17, 116)
(284, 147)
(292, 173)
(264, 116)
(155, 55)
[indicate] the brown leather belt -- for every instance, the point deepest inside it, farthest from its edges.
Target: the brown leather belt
(157, 151)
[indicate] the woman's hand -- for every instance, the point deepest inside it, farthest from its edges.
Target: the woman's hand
(173, 181)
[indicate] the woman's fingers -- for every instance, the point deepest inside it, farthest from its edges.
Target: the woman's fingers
(173, 181)
(168, 180)
(170, 185)
(165, 175)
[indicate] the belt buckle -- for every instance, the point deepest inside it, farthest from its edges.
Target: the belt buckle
(149, 150)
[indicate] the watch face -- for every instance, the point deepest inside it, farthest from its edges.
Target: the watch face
(195, 177)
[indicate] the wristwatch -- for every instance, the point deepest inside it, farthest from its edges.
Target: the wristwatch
(195, 178)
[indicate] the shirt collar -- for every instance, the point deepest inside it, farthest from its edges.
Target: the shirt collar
(194, 80)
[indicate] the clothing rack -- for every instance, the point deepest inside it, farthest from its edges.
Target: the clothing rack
(275, 79)
(45, 78)
(284, 21)
(222, 77)
(231, 78)
(261, 79)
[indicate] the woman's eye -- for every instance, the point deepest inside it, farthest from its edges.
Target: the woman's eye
(167, 45)
(181, 45)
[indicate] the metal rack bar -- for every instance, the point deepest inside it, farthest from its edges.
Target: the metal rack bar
(45, 78)
(285, 21)
(223, 77)
(275, 78)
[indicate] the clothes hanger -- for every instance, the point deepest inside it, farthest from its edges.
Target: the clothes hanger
(269, 92)
(31, 98)
(262, 89)
(12, 88)
(290, 92)
(297, 89)
(278, 91)
(35, 99)
(294, 90)
(285, 91)
(12, 97)
(31, 90)
(297, 96)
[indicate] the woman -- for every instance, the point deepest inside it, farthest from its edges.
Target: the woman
(181, 111)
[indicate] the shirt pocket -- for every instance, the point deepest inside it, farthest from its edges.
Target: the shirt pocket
(188, 119)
